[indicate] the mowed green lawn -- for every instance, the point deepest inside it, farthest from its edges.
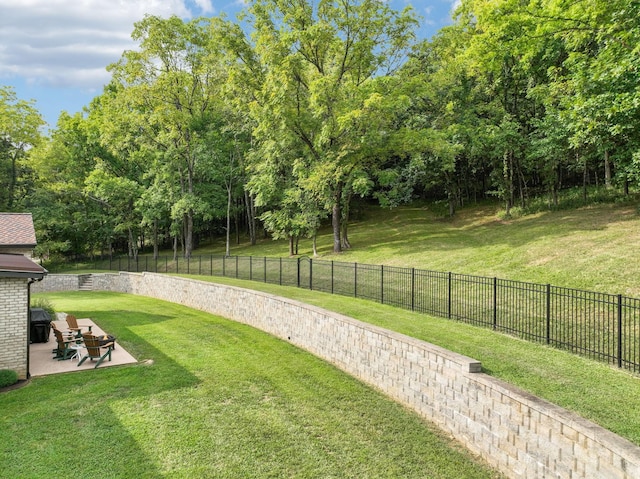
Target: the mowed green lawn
(213, 398)
(597, 391)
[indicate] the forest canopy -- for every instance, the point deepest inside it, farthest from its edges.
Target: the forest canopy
(281, 122)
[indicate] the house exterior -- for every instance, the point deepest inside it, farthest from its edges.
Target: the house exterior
(17, 273)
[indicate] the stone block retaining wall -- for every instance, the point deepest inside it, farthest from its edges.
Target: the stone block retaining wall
(57, 282)
(515, 432)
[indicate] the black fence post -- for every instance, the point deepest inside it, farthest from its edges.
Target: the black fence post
(280, 281)
(495, 303)
(413, 289)
(298, 272)
(310, 274)
(331, 276)
(382, 284)
(250, 268)
(265, 269)
(236, 267)
(548, 313)
(449, 296)
(355, 280)
(620, 331)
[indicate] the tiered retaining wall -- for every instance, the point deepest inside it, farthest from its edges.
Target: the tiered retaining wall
(517, 433)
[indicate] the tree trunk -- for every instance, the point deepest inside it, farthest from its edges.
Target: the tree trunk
(607, 170)
(508, 182)
(155, 240)
(175, 248)
(346, 244)
(315, 245)
(290, 245)
(585, 176)
(188, 235)
(336, 217)
(228, 246)
(235, 222)
(133, 246)
(251, 217)
(345, 222)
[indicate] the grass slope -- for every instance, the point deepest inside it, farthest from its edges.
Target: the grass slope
(220, 400)
(593, 248)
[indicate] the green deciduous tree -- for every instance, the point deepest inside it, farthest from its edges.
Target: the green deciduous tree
(319, 67)
(166, 91)
(20, 125)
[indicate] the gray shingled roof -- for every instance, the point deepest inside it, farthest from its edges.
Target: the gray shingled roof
(16, 229)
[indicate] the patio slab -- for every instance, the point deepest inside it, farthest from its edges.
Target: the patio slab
(41, 360)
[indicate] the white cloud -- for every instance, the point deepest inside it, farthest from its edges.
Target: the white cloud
(205, 6)
(69, 43)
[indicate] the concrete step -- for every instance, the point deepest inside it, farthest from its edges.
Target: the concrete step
(85, 282)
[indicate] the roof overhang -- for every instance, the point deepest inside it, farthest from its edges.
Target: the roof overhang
(19, 266)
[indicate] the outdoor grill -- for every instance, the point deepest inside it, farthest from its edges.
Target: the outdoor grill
(39, 325)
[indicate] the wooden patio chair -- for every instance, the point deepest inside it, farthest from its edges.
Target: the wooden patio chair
(66, 346)
(72, 323)
(94, 349)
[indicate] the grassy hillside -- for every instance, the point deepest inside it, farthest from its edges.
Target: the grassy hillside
(593, 248)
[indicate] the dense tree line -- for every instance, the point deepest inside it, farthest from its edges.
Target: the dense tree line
(280, 122)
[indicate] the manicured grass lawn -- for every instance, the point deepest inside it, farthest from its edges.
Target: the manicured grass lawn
(219, 400)
(601, 393)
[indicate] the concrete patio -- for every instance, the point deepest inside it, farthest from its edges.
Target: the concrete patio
(41, 360)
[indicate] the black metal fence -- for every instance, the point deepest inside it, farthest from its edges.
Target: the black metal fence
(600, 326)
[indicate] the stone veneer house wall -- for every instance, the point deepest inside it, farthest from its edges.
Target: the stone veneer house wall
(517, 433)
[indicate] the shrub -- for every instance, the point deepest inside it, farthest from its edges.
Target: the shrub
(45, 304)
(8, 377)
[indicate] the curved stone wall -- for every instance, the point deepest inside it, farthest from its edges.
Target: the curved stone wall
(517, 433)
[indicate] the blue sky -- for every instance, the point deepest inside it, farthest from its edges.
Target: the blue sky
(56, 51)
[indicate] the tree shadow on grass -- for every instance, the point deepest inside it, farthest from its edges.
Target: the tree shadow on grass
(72, 424)
(76, 426)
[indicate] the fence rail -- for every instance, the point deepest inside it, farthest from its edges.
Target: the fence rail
(601, 326)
